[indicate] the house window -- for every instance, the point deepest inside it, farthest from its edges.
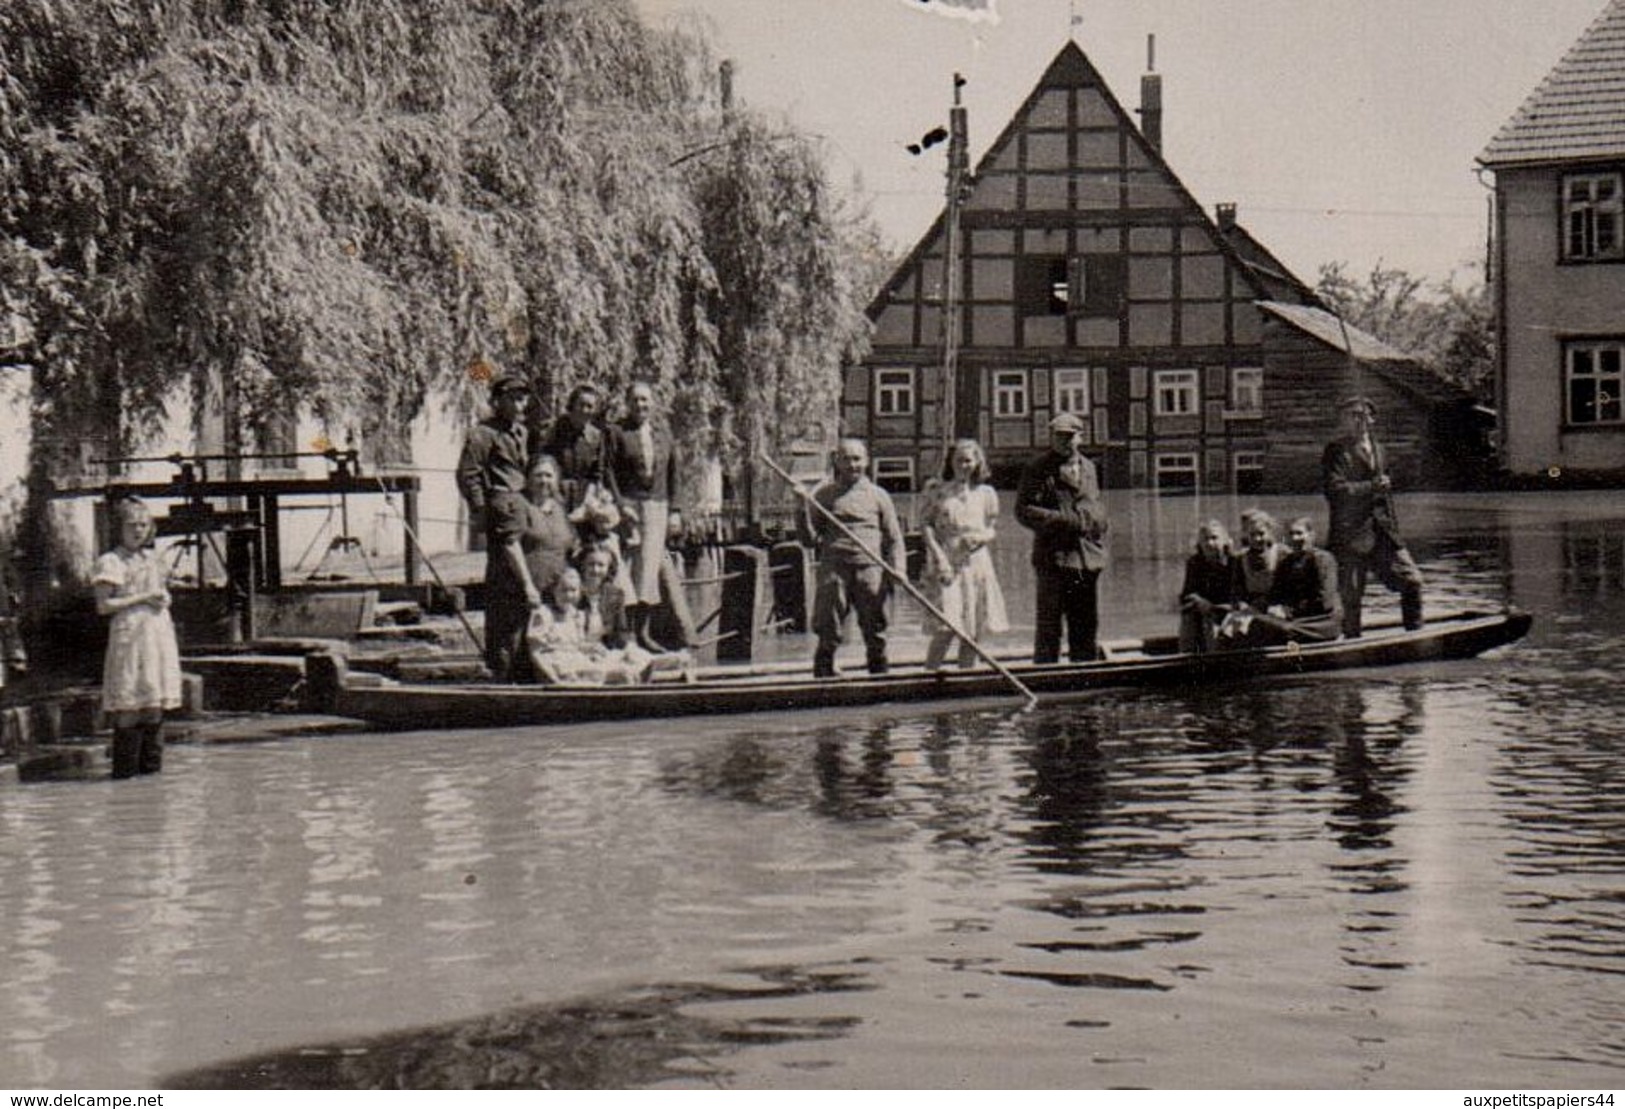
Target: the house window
(895, 475)
(894, 392)
(1085, 285)
(1071, 391)
(1177, 392)
(1176, 471)
(1247, 391)
(1594, 381)
(1593, 205)
(1010, 394)
(1249, 466)
(1043, 285)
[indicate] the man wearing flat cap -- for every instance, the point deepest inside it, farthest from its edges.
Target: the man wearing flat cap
(491, 477)
(1364, 530)
(1059, 499)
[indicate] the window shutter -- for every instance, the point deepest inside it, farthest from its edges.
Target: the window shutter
(1077, 285)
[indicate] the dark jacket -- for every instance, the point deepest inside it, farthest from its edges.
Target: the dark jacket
(624, 464)
(1255, 574)
(494, 461)
(1213, 580)
(579, 452)
(1360, 512)
(1069, 524)
(1306, 587)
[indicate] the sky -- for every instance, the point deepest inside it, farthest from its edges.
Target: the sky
(1344, 130)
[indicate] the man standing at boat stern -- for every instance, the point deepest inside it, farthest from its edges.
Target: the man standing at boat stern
(1364, 530)
(1059, 499)
(849, 578)
(491, 476)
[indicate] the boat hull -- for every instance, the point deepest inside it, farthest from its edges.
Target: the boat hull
(395, 705)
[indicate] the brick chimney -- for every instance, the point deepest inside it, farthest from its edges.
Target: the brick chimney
(1151, 97)
(1225, 215)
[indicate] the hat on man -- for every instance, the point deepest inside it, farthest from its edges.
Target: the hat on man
(509, 383)
(1068, 422)
(1362, 403)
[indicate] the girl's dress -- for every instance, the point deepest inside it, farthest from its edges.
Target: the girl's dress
(143, 666)
(566, 647)
(962, 516)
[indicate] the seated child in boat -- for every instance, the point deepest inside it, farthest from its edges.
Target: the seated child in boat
(1210, 590)
(604, 597)
(565, 641)
(600, 522)
(1303, 605)
(1254, 566)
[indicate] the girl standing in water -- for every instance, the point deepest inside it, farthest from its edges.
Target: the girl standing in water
(142, 676)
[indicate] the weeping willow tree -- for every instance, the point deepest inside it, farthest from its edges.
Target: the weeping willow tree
(346, 207)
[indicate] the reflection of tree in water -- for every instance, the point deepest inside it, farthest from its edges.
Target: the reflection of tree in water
(654, 1034)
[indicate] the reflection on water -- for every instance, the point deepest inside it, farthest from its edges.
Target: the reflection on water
(1395, 878)
(638, 1038)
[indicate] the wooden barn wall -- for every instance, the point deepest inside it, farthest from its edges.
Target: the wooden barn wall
(1304, 382)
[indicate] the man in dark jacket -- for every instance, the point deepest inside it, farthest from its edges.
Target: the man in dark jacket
(1059, 499)
(1364, 531)
(491, 475)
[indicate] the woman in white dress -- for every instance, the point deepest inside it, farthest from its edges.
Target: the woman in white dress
(141, 679)
(958, 523)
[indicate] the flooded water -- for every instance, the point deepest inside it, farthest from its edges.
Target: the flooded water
(1399, 878)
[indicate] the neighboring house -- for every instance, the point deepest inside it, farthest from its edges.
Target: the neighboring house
(1559, 263)
(1092, 282)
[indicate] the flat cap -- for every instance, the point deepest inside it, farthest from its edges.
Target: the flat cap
(509, 383)
(1362, 403)
(1069, 422)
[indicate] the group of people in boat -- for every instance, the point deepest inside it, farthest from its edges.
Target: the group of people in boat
(576, 525)
(577, 561)
(1265, 593)
(1271, 589)
(854, 526)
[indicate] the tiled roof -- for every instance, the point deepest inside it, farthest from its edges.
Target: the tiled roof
(1324, 326)
(1386, 361)
(1578, 111)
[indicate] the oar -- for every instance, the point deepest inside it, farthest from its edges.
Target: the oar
(902, 580)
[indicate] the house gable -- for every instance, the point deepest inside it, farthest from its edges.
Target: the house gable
(1070, 196)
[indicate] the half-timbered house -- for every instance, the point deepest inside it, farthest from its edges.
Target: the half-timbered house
(1089, 280)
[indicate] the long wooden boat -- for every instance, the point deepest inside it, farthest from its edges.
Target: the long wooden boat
(391, 704)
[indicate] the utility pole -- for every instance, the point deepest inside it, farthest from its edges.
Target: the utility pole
(958, 187)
